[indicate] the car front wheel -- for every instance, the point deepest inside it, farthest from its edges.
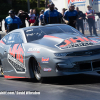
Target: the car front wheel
(98, 72)
(35, 70)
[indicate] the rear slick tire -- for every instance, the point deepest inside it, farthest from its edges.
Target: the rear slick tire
(98, 72)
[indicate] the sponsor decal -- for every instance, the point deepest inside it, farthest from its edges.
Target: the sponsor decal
(16, 58)
(29, 30)
(45, 60)
(47, 69)
(9, 20)
(75, 42)
(95, 39)
(75, 2)
(33, 50)
(2, 42)
(30, 34)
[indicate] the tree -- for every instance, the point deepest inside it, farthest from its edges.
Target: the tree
(28, 3)
(38, 3)
(46, 3)
(9, 1)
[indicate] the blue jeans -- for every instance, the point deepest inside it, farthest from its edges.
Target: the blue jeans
(79, 24)
(91, 23)
(0, 36)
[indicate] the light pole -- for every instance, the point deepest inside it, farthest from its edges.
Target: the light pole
(28, 3)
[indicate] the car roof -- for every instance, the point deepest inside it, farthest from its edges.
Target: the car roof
(26, 28)
(31, 27)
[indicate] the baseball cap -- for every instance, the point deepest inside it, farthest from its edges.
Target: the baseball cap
(51, 4)
(71, 5)
(11, 12)
(42, 10)
(88, 6)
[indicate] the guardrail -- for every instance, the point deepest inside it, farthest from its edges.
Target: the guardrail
(97, 25)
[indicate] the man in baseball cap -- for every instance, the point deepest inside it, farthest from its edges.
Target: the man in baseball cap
(51, 6)
(91, 20)
(70, 16)
(11, 13)
(88, 6)
(12, 22)
(51, 16)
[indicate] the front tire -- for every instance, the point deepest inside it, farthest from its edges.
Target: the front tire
(35, 70)
(1, 68)
(98, 72)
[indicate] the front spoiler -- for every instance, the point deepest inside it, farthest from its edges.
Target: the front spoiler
(91, 65)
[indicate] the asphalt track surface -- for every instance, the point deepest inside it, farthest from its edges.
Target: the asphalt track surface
(73, 87)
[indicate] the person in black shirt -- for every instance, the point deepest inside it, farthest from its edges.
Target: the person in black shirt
(0, 26)
(79, 22)
(23, 15)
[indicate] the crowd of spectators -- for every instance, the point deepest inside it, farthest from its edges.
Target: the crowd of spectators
(72, 16)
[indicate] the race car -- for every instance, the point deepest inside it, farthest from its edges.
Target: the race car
(47, 51)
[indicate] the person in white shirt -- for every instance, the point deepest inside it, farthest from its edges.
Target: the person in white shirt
(91, 20)
(32, 17)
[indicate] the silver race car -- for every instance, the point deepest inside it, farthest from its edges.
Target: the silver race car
(45, 51)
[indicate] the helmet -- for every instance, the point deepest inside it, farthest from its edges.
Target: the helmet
(11, 12)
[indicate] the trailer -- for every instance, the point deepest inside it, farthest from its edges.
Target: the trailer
(82, 4)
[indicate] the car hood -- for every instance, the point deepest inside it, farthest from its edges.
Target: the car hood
(67, 41)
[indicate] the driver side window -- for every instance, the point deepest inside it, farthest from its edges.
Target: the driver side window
(5, 38)
(15, 38)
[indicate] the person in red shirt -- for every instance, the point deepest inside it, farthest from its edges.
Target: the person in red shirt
(91, 20)
(32, 16)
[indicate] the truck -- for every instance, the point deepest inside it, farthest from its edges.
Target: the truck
(82, 4)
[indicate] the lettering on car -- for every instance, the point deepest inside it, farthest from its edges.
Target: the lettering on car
(16, 58)
(75, 42)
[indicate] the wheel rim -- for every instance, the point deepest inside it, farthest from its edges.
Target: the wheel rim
(37, 72)
(1, 71)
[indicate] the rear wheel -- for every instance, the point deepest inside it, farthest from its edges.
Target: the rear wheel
(1, 69)
(2, 72)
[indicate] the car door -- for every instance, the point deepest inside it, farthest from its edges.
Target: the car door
(14, 54)
(3, 42)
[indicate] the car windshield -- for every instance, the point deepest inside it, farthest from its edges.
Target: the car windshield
(38, 33)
